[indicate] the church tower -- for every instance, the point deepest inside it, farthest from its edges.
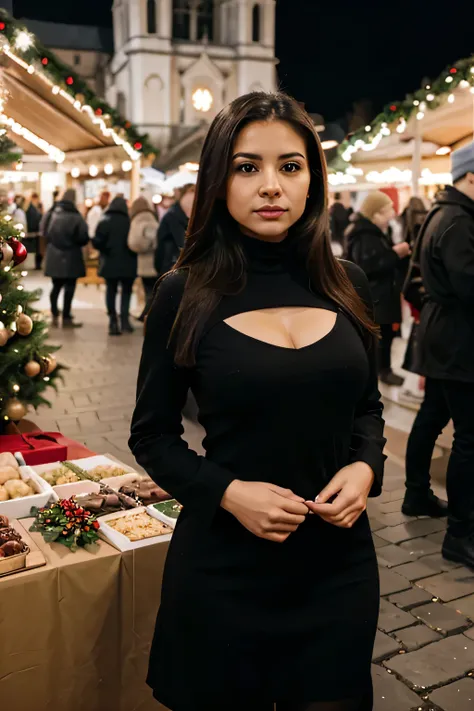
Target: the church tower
(178, 62)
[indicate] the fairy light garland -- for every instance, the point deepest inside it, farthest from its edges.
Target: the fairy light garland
(54, 153)
(429, 97)
(23, 42)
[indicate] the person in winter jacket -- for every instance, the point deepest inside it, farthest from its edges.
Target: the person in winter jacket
(446, 350)
(172, 231)
(368, 245)
(142, 240)
(17, 211)
(66, 233)
(117, 263)
(33, 220)
(338, 221)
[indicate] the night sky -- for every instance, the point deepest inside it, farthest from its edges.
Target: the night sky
(334, 53)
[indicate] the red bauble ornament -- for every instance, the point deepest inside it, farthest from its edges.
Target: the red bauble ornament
(393, 107)
(69, 81)
(19, 250)
(98, 112)
(45, 61)
(138, 146)
(2, 26)
(127, 124)
(453, 70)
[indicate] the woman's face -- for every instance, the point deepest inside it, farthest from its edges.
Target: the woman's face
(269, 179)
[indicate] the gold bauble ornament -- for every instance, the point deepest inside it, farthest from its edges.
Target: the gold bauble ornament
(3, 336)
(51, 364)
(32, 369)
(24, 325)
(15, 409)
(6, 254)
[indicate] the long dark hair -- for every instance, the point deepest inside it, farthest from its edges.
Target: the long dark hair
(213, 258)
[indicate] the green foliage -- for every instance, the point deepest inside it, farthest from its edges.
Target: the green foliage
(396, 111)
(60, 73)
(9, 152)
(19, 350)
(67, 523)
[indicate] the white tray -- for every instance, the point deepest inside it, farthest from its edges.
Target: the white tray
(20, 508)
(121, 542)
(161, 516)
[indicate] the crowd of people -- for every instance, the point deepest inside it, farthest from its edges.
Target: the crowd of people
(432, 268)
(129, 241)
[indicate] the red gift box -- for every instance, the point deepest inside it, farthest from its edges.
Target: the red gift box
(36, 447)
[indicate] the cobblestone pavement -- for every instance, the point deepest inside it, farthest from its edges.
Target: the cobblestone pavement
(424, 651)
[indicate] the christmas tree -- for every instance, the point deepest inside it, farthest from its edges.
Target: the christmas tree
(9, 152)
(27, 364)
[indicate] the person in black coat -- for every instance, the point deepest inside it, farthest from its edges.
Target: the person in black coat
(117, 263)
(66, 233)
(446, 351)
(172, 231)
(33, 220)
(368, 245)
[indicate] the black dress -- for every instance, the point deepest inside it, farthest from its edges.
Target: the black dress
(245, 621)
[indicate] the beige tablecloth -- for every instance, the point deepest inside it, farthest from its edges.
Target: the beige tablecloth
(75, 635)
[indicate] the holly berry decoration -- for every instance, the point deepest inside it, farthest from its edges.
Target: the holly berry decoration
(19, 250)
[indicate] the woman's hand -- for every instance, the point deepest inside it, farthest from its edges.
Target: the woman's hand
(351, 486)
(266, 510)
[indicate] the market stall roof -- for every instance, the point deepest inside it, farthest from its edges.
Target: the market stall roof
(47, 109)
(428, 124)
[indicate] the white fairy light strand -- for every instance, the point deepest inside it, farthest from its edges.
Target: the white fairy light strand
(97, 120)
(54, 153)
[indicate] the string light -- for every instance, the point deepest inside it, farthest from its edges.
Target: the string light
(368, 128)
(451, 98)
(430, 97)
(23, 40)
(93, 171)
(416, 102)
(31, 69)
(24, 274)
(16, 388)
(464, 84)
(448, 80)
(108, 168)
(46, 379)
(54, 153)
(420, 115)
(75, 172)
(127, 166)
(401, 128)
(20, 287)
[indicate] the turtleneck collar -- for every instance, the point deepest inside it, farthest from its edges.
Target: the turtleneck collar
(264, 256)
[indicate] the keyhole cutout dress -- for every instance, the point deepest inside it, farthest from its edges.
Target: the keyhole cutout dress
(244, 620)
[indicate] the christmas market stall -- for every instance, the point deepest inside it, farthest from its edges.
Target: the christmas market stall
(408, 145)
(67, 135)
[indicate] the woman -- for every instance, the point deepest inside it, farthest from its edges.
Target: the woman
(369, 246)
(117, 263)
(172, 230)
(266, 589)
(142, 240)
(66, 234)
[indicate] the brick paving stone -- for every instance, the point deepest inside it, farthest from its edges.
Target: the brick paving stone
(458, 696)
(379, 542)
(441, 618)
(410, 598)
(395, 519)
(412, 529)
(437, 538)
(81, 400)
(450, 586)
(390, 507)
(417, 636)
(394, 483)
(465, 605)
(391, 618)
(415, 571)
(420, 547)
(390, 694)
(390, 556)
(435, 664)
(439, 563)
(375, 524)
(384, 647)
(111, 415)
(469, 633)
(391, 582)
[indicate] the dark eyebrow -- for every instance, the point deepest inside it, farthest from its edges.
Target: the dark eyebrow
(255, 156)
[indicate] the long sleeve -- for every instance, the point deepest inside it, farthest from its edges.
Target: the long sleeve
(167, 251)
(367, 441)
(101, 237)
(457, 249)
(82, 233)
(371, 255)
(156, 432)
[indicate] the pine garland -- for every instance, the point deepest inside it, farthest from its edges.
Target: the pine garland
(9, 153)
(64, 76)
(395, 112)
(20, 350)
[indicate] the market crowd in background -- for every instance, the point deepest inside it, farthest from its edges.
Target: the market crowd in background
(420, 267)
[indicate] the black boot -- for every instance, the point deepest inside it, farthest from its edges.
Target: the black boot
(126, 325)
(390, 378)
(459, 550)
(424, 504)
(114, 329)
(70, 323)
